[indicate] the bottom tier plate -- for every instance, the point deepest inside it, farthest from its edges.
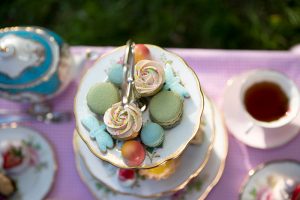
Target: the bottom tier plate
(198, 188)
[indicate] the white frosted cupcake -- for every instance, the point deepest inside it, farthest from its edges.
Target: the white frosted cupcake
(123, 122)
(149, 77)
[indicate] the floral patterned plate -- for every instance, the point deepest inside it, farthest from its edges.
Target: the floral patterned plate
(198, 188)
(262, 182)
(175, 142)
(186, 170)
(36, 181)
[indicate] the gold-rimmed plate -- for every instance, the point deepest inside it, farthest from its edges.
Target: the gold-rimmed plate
(175, 141)
(261, 180)
(199, 187)
(37, 179)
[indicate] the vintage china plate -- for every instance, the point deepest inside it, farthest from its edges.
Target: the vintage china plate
(36, 181)
(238, 123)
(187, 169)
(175, 142)
(256, 181)
(199, 187)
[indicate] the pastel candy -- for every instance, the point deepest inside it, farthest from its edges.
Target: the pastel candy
(152, 134)
(115, 74)
(173, 83)
(102, 96)
(141, 52)
(97, 132)
(133, 153)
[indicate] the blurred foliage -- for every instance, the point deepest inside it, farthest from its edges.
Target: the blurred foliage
(252, 24)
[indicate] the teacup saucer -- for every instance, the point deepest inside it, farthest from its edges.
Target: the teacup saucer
(37, 179)
(266, 178)
(244, 130)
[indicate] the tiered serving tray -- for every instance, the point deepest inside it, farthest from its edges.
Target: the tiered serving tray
(199, 186)
(199, 117)
(175, 142)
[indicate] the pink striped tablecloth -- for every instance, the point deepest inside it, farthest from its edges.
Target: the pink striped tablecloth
(214, 68)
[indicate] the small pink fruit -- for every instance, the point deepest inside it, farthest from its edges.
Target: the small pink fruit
(133, 153)
(141, 52)
(127, 177)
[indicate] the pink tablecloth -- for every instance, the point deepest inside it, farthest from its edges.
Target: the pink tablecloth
(214, 68)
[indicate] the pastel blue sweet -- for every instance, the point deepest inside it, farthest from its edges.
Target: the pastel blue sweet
(115, 74)
(173, 83)
(98, 133)
(152, 134)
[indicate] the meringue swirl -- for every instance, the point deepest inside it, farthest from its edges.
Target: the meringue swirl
(123, 122)
(149, 77)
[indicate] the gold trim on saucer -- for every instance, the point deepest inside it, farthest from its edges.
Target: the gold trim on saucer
(113, 161)
(169, 192)
(55, 167)
(259, 167)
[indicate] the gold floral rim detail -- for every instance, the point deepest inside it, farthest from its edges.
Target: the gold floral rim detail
(259, 167)
(177, 153)
(50, 72)
(223, 162)
(15, 125)
(165, 193)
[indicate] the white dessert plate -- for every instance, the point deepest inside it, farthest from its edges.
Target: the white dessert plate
(175, 142)
(258, 181)
(238, 122)
(35, 181)
(199, 187)
(186, 170)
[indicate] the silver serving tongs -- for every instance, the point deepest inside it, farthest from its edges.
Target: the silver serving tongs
(128, 74)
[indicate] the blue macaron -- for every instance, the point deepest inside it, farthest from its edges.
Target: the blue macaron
(115, 74)
(152, 134)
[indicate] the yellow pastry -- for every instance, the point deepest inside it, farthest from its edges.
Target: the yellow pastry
(161, 172)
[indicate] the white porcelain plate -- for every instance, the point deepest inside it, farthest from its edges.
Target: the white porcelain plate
(198, 187)
(175, 142)
(36, 181)
(238, 122)
(258, 183)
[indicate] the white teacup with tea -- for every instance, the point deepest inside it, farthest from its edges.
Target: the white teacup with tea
(269, 99)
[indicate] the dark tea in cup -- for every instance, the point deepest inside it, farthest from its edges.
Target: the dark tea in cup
(269, 98)
(266, 101)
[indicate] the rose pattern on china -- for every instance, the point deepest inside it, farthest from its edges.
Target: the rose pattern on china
(123, 121)
(149, 77)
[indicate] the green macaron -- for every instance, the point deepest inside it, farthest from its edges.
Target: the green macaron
(102, 96)
(166, 109)
(152, 134)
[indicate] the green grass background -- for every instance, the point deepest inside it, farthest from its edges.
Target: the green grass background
(232, 24)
